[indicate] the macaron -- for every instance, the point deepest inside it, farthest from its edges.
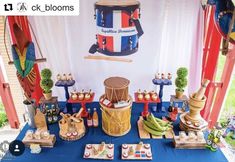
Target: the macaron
(196, 124)
(68, 134)
(147, 146)
(124, 154)
(88, 146)
(87, 154)
(124, 146)
(149, 154)
(75, 133)
(110, 155)
(110, 146)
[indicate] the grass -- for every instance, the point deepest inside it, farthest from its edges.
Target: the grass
(3, 116)
(229, 105)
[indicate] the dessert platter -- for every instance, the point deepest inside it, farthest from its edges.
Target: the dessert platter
(99, 151)
(138, 151)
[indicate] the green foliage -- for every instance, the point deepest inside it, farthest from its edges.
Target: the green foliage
(228, 108)
(181, 80)
(181, 83)
(229, 105)
(229, 140)
(46, 83)
(182, 72)
(1, 106)
(3, 118)
(46, 73)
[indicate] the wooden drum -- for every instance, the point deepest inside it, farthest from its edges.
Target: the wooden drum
(116, 122)
(116, 89)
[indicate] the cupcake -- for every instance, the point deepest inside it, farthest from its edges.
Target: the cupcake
(58, 77)
(81, 96)
(182, 134)
(37, 135)
(157, 76)
(69, 77)
(154, 97)
(152, 92)
(191, 135)
(163, 76)
(45, 135)
(87, 96)
(147, 96)
(140, 96)
(169, 76)
(29, 134)
(64, 77)
(139, 91)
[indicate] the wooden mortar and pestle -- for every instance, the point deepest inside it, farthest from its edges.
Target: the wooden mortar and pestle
(196, 103)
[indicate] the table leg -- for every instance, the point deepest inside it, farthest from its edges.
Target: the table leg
(159, 105)
(145, 112)
(84, 112)
(68, 105)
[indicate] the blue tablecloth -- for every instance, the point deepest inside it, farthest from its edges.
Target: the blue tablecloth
(162, 149)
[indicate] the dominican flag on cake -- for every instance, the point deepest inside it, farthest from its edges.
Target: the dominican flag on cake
(117, 32)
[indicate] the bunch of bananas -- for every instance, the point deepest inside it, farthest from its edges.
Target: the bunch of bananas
(156, 126)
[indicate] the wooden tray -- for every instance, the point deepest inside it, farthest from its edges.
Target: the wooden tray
(186, 127)
(138, 155)
(189, 144)
(42, 142)
(101, 155)
(143, 134)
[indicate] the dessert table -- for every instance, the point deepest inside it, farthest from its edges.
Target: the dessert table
(162, 149)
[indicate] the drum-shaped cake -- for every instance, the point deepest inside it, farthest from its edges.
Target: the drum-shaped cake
(116, 89)
(118, 27)
(116, 107)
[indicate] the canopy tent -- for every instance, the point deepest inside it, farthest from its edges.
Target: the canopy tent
(173, 37)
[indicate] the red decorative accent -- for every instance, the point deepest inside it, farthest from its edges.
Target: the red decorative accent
(221, 93)
(109, 42)
(145, 112)
(38, 92)
(136, 14)
(125, 19)
(212, 42)
(83, 104)
(216, 91)
(7, 100)
(22, 21)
